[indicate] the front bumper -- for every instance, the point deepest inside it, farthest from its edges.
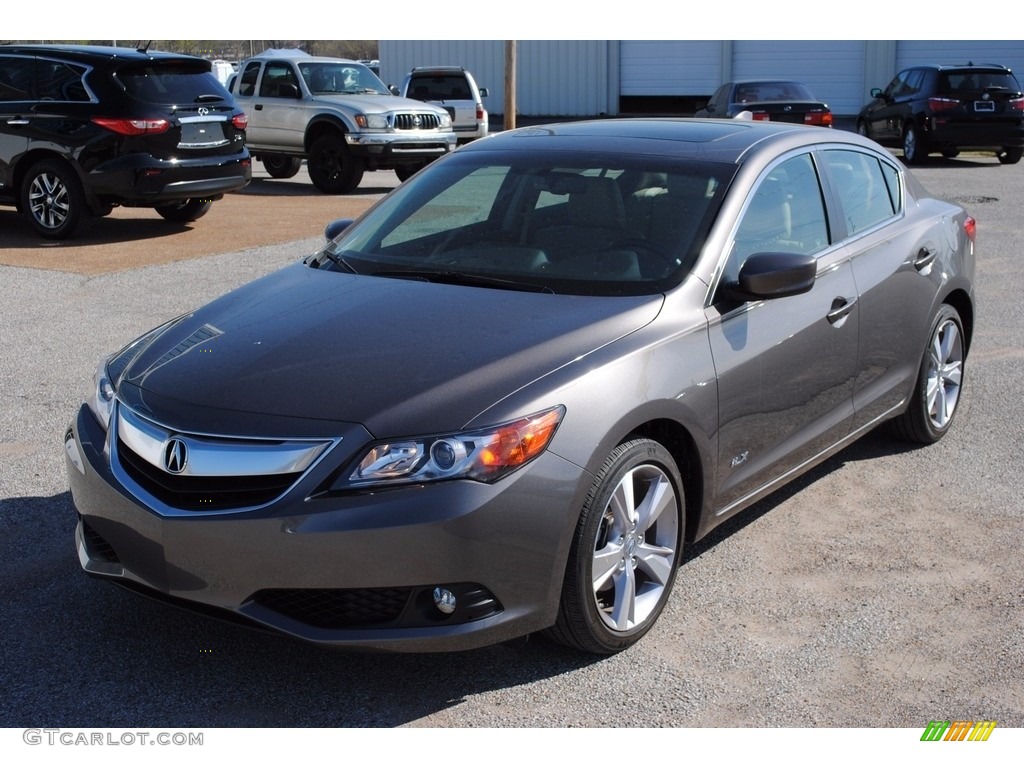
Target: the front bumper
(354, 570)
(400, 147)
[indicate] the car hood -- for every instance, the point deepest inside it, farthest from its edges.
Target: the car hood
(375, 104)
(401, 357)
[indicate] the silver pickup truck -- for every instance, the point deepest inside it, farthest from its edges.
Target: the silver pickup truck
(337, 115)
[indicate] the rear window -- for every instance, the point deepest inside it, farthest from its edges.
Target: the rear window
(175, 83)
(438, 88)
(977, 80)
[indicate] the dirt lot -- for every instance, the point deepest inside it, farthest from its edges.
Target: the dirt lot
(138, 237)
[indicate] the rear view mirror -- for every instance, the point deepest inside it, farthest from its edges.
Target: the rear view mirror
(773, 276)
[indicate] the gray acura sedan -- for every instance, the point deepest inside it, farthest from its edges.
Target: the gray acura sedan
(504, 399)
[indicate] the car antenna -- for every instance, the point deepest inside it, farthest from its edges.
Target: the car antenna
(144, 48)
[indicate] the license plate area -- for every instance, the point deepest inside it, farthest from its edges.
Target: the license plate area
(197, 134)
(984, 106)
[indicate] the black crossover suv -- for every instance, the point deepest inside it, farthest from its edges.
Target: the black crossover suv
(947, 109)
(86, 128)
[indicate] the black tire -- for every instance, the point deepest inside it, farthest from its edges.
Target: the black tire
(404, 172)
(281, 166)
(637, 553)
(862, 129)
(914, 151)
(52, 200)
(185, 210)
(1009, 155)
(936, 394)
(332, 168)
(949, 154)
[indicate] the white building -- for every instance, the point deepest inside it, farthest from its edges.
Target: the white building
(582, 78)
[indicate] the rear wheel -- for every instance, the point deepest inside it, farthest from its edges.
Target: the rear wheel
(949, 154)
(404, 172)
(862, 129)
(1009, 155)
(936, 395)
(52, 199)
(332, 168)
(625, 551)
(281, 166)
(185, 210)
(914, 151)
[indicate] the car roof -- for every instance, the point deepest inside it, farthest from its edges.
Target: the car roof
(95, 53)
(442, 69)
(969, 65)
(297, 54)
(700, 139)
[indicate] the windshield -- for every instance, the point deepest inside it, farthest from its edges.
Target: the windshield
(772, 91)
(563, 222)
(341, 77)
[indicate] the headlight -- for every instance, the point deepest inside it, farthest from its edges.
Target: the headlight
(372, 121)
(108, 373)
(101, 402)
(446, 120)
(485, 455)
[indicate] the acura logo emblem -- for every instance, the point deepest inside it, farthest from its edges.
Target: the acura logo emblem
(175, 456)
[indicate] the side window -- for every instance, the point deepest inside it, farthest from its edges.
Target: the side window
(58, 81)
(279, 79)
(868, 197)
(784, 214)
(914, 80)
(250, 75)
(15, 78)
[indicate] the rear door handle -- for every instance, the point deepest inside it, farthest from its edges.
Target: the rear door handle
(259, 107)
(841, 309)
(18, 121)
(924, 259)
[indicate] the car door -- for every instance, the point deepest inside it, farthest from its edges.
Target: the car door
(15, 111)
(785, 366)
(278, 118)
(895, 258)
(887, 122)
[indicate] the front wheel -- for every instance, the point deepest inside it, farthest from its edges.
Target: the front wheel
(281, 166)
(404, 172)
(1009, 155)
(625, 551)
(185, 210)
(936, 395)
(862, 129)
(52, 200)
(332, 168)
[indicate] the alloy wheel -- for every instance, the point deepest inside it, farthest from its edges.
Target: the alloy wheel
(945, 373)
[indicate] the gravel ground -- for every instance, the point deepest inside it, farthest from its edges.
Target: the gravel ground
(883, 589)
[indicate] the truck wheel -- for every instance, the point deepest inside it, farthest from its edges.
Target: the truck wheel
(281, 166)
(332, 167)
(403, 172)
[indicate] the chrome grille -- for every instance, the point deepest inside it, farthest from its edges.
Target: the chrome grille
(426, 121)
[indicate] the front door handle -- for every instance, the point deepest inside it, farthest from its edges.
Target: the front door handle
(841, 309)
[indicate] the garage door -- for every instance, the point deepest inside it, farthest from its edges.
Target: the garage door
(1009, 53)
(832, 69)
(669, 67)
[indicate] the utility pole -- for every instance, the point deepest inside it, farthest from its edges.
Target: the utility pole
(510, 84)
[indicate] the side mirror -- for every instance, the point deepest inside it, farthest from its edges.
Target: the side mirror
(876, 93)
(336, 227)
(288, 91)
(773, 276)
(394, 90)
(483, 93)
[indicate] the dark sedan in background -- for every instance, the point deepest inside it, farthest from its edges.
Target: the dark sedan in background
(504, 399)
(784, 101)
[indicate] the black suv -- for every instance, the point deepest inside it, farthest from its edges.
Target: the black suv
(87, 128)
(946, 109)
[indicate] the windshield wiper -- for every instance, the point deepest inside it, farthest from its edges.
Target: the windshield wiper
(205, 98)
(329, 253)
(461, 278)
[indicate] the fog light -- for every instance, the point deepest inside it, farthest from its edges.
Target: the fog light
(444, 601)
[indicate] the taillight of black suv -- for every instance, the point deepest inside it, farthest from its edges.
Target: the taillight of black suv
(84, 129)
(948, 109)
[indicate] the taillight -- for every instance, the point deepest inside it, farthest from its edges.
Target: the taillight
(241, 122)
(479, 111)
(970, 228)
(759, 115)
(819, 117)
(942, 105)
(130, 127)
(1015, 104)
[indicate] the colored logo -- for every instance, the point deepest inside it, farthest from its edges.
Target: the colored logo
(958, 730)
